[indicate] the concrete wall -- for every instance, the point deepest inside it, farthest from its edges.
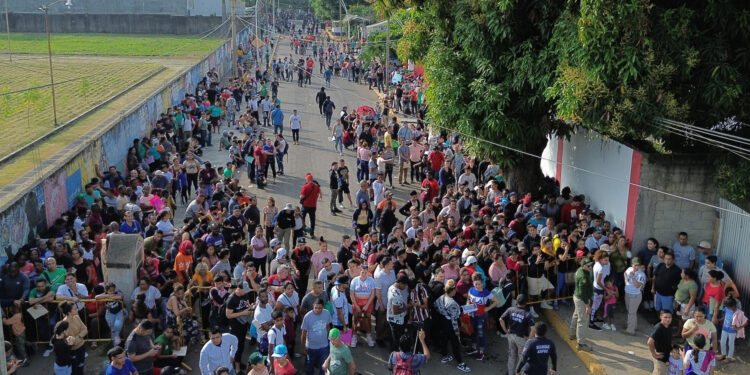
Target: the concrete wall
(609, 174)
(663, 217)
(166, 7)
(34, 211)
(115, 23)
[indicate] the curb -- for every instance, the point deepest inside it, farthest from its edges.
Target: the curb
(562, 328)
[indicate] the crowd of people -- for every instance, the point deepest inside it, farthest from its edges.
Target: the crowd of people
(464, 256)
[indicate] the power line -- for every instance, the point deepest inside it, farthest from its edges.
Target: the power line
(540, 157)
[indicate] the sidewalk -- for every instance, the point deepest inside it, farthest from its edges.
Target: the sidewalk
(616, 353)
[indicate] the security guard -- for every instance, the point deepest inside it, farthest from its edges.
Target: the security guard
(537, 352)
(518, 324)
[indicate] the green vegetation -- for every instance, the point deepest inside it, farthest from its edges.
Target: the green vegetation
(25, 115)
(112, 44)
(513, 72)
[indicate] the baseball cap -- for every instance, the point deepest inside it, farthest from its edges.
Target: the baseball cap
(704, 245)
(309, 176)
(279, 351)
(334, 333)
(280, 253)
(256, 358)
(636, 261)
(274, 242)
(342, 280)
(301, 240)
(470, 260)
(587, 262)
(289, 207)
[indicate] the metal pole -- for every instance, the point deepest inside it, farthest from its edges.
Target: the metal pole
(273, 17)
(387, 52)
(7, 30)
(257, 36)
(234, 37)
(3, 367)
(49, 54)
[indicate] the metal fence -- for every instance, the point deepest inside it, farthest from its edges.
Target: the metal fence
(734, 237)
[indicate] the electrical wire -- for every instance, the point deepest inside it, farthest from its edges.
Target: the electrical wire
(717, 134)
(584, 170)
(737, 150)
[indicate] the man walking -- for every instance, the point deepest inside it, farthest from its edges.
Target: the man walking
(328, 107)
(584, 291)
(218, 351)
(309, 198)
(238, 312)
(333, 176)
(320, 98)
(517, 323)
(537, 352)
(295, 123)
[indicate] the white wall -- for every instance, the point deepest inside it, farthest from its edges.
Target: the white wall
(589, 151)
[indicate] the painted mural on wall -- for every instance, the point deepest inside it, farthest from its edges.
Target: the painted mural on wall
(16, 229)
(55, 196)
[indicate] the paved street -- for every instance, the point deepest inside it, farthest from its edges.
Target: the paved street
(314, 155)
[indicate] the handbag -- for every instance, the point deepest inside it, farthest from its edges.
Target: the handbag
(465, 325)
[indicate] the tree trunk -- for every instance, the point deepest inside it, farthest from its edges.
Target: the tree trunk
(525, 176)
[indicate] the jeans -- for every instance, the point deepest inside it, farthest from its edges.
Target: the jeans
(364, 170)
(79, 360)
(203, 137)
(280, 163)
(309, 211)
(295, 135)
(338, 144)
(238, 330)
(446, 329)
(279, 127)
(315, 359)
(727, 339)
(328, 119)
(478, 338)
(63, 370)
(334, 195)
(396, 331)
(663, 302)
(115, 321)
(596, 301)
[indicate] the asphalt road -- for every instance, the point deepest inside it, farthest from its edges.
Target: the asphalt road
(314, 155)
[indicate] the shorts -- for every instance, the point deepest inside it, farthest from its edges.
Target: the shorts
(214, 121)
(538, 284)
(363, 301)
(344, 188)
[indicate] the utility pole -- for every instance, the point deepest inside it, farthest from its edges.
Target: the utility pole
(49, 55)
(7, 30)
(234, 37)
(257, 36)
(273, 17)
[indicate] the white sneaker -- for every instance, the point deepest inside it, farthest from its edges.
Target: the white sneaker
(612, 327)
(354, 342)
(545, 305)
(370, 341)
(533, 313)
(606, 326)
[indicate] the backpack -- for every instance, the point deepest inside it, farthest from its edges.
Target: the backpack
(221, 318)
(263, 344)
(403, 367)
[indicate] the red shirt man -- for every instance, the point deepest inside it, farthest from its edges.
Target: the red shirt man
(436, 160)
(309, 193)
(430, 188)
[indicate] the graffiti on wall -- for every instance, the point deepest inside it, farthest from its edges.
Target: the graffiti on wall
(73, 187)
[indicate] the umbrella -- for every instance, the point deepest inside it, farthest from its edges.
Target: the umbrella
(366, 111)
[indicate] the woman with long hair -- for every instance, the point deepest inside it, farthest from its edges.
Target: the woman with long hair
(701, 362)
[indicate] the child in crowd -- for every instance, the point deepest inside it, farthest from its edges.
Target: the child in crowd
(290, 329)
(675, 366)
(281, 363)
(733, 321)
(257, 364)
(610, 301)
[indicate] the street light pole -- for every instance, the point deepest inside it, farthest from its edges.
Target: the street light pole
(7, 30)
(49, 55)
(234, 45)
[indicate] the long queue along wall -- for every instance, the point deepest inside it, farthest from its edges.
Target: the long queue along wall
(31, 213)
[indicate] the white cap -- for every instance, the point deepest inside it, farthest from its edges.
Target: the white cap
(280, 253)
(470, 260)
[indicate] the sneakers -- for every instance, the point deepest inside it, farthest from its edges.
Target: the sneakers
(583, 347)
(370, 341)
(533, 313)
(47, 352)
(446, 359)
(472, 351)
(605, 326)
(462, 367)
(610, 327)
(594, 327)
(354, 342)
(545, 306)
(480, 356)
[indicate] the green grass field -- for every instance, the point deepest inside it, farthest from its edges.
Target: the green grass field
(110, 44)
(27, 115)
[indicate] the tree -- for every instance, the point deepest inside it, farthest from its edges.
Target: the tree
(626, 64)
(487, 67)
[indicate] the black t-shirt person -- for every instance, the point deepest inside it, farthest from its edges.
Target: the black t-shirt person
(238, 304)
(662, 337)
(666, 280)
